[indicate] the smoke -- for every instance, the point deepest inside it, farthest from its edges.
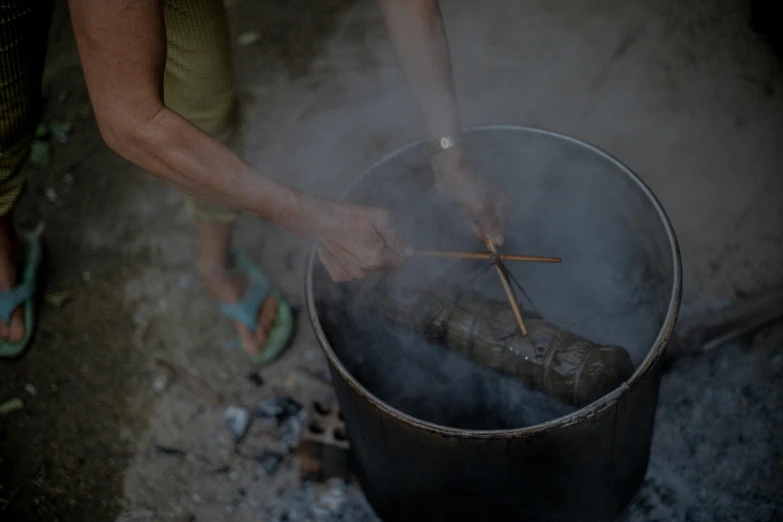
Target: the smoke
(427, 381)
(355, 106)
(351, 108)
(612, 287)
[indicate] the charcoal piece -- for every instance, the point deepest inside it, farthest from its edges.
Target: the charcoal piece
(255, 378)
(270, 461)
(292, 428)
(278, 408)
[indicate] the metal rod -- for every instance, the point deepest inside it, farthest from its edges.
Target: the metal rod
(507, 288)
(487, 255)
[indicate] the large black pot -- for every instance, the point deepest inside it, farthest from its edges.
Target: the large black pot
(619, 283)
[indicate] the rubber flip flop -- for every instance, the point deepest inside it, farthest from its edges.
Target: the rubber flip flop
(22, 294)
(246, 312)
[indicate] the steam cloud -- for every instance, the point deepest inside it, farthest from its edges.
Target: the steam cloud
(611, 287)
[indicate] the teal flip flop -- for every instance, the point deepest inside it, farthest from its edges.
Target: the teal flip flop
(246, 311)
(22, 294)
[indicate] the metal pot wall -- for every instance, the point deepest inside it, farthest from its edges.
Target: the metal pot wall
(619, 283)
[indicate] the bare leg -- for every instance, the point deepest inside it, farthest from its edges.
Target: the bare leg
(229, 285)
(200, 85)
(10, 263)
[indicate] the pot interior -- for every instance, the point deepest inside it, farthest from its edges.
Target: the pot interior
(615, 285)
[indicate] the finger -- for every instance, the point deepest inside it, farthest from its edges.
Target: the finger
(349, 256)
(357, 273)
(392, 237)
(390, 260)
(488, 224)
(475, 229)
(333, 267)
(344, 269)
(470, 221)
(492, 217)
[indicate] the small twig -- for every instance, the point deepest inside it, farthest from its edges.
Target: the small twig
(170, 452)
(487, 255)
(503, 279)
(192, 381)
(708, 330)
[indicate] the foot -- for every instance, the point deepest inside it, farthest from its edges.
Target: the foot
(229, 285)
(11, 259)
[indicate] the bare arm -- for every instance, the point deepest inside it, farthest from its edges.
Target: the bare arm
(122, 45)
(418, 37)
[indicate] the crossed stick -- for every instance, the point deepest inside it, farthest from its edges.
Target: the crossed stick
(487, 255)
(497, 261)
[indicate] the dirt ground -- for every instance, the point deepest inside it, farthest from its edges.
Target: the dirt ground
(686, 95)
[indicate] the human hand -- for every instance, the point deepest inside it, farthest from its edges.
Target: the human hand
(355, 240)
(484, 205)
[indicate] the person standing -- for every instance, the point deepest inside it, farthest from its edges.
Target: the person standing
(161, 81)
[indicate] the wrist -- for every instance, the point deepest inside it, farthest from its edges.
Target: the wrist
(305, 217)
(441, 113)
(448, 161)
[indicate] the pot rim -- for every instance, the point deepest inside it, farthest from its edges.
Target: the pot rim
(606, 402)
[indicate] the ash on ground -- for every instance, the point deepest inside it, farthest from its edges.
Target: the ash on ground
(331, 502)
(717, 448)
(716, 453)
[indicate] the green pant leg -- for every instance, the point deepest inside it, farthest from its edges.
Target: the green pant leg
(200, 82)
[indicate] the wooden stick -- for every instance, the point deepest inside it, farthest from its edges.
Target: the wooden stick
(507, 288)
(487, 255)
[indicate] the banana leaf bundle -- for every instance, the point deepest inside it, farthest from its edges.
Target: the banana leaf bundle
(549, 358)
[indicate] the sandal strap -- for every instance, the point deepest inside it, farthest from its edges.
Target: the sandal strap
(21, 293)
(246, 310)
(10, 301)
